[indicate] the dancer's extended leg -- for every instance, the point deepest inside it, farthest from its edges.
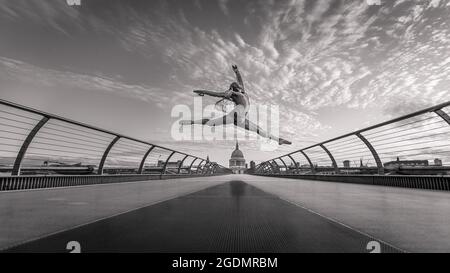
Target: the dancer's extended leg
(205, 121)
(250, 126)
(191, 122)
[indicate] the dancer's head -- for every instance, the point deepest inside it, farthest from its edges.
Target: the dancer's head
(235, 87)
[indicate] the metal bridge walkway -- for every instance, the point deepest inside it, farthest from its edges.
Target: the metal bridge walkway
(230, 217)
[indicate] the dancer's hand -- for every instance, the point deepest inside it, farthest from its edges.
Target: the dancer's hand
(234, 67)
(199, 92)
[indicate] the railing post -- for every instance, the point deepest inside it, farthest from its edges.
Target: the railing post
(262, 167)
(207, 165)
(25, 144)
(144, 158)
(257, 168)
(210, 168)
(278, 166)
(165, 164)
(265, 167)
(313, 170)
(192, 163)
(336, 169)
(295, 163)
(181, 163)
(374, 153)
(105, 155)
(198, 166)
(443, 115)
(272, 168)
(214, 170)
(283, 164)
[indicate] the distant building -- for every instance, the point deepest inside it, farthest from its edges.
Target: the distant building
(437, 162)
(173, 164)
(252, 168)
(160, 163)
(405, 163)
(252, 165)
(237, 161)
(361, 164)
(346, 163)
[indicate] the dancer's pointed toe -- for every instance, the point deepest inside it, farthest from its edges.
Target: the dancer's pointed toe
(283, 141)
(199, 92)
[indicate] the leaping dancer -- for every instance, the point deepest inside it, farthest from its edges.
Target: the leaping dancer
(239, 115)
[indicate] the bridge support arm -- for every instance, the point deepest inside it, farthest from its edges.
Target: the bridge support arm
(261, 167)
(269, 167)
(216, 167)
(206, 168)
(265, 166)
(25, 144)
(105, 155)
(272, 167)
(374, 153)
(278, 166)
(335, 166)
(258, 168)
(144, 158)
(181, 163)
(165, 164)
(295, 163)
(192, 163)
(284, 163)
(313, 170)
(443, 115)
(198, 166)
(212, 169)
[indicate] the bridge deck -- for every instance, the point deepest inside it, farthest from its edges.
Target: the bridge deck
(232, 217)
(235, 213)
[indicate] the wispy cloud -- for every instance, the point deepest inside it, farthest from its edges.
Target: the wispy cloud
(27, 73)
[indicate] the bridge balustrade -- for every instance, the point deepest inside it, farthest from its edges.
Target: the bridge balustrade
(416, 144)
(63, 152)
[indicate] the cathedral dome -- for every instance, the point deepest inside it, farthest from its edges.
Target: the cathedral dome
(237, 161)
(237, 153)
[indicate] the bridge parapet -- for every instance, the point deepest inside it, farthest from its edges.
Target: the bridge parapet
(26, 182)
(33, 142)
(413, 144)
(426, 182)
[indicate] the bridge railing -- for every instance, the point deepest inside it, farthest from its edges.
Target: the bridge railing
(33, 142)
(24, 182)
(413, 144)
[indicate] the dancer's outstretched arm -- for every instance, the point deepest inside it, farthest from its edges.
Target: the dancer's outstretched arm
(238, 77)
(225, 94)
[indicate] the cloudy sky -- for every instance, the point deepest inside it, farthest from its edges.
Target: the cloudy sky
(330, 66)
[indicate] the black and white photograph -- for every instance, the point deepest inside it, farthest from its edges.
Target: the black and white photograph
(224, 134)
